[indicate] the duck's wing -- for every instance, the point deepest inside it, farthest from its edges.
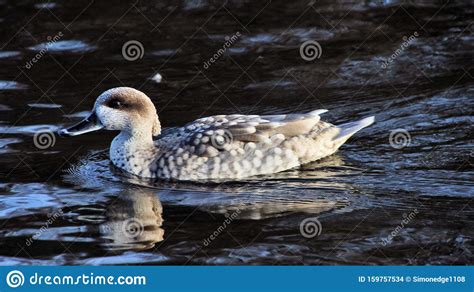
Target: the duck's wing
(249, 128)
(237, 145)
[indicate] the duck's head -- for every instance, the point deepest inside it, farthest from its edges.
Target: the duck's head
(121, 108)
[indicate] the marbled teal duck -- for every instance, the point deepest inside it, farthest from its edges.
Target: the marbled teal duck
(222, 147)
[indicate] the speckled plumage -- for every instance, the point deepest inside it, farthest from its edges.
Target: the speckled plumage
(218, 147)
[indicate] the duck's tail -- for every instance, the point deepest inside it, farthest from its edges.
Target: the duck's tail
(349, 129)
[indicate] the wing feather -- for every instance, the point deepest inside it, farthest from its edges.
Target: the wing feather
(220, 129)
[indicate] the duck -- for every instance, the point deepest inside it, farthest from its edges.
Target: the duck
(219, 147)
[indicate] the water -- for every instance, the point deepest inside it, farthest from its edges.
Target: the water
(408, 64)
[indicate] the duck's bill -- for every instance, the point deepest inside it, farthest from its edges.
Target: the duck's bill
(90, 124)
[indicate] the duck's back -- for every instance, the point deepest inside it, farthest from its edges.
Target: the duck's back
(237, 146)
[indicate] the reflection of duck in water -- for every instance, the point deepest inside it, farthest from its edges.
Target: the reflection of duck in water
(133, 221)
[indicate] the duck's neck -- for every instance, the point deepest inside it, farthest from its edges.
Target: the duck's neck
(133, 152)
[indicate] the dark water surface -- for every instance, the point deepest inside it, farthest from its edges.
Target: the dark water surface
(399, 192)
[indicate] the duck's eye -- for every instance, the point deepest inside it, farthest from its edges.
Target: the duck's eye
(115, 103)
